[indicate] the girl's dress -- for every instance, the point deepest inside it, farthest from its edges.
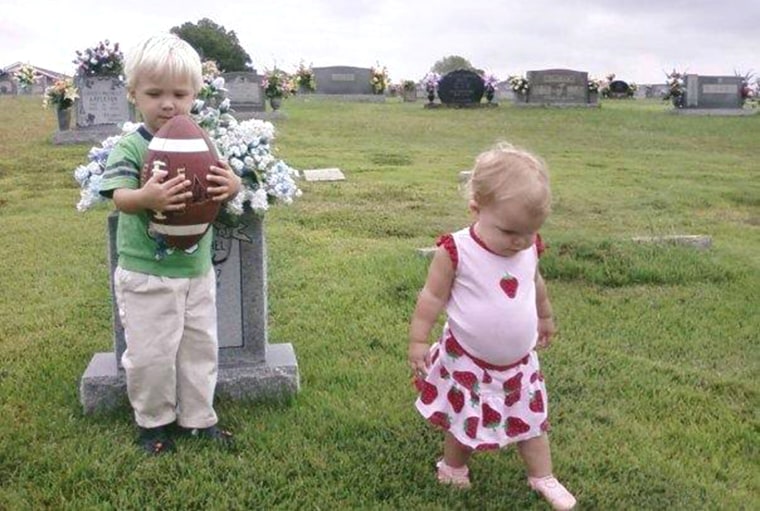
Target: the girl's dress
(484, 384)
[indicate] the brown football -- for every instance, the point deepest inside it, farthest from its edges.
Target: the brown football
(182, 147)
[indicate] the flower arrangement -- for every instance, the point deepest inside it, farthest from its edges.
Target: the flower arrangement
(676, 85)
(430, 82)
(100, 60)
(247, 146)
(26, 76)
(519, 84)
(305, 79)
(277, 84)
(489, 83)
(594, 85)
(409, 85)
(61, 94)
(212, 89)
(379, 79)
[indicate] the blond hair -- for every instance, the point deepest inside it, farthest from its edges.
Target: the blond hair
(161, 55)
(506, 172)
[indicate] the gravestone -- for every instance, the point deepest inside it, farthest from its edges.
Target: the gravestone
(619, 89)
(102, 102)
(249, 367)
(562, 87)
(329, 174)
(713, 92)
(245, 93)
(461, 88)
(343, 80)
(100, 110)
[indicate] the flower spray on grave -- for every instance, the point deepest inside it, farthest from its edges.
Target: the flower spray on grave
(430, 82)
(489, 84)
(100, 60)
(519, 85)
(26, 76)
(676, 86)
(248, 146)
(379, 79)
(305, 80)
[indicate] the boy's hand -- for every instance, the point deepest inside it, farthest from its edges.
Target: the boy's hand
(160, 195)
(226, 182)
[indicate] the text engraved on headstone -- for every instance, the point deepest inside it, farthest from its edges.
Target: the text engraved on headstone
(343, 77)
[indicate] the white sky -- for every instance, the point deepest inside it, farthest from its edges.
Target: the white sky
(638, 40)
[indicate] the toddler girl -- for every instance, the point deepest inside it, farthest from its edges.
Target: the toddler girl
(481, 382)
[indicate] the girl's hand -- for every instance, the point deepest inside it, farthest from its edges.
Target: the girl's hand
(419, 358)
(227, 183)
(546, 331)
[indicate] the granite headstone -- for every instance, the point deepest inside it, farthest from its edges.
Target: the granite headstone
(249, 367)
(343, 80)
(558, 87)
(713, 92)
(460, 88)
(244, 92)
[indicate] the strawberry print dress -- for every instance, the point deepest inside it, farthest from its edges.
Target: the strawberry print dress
(484, 384)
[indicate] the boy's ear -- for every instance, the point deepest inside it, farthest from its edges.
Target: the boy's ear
(131, 96)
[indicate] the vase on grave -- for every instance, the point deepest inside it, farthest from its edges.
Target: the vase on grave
(64, 119)
(275, 103)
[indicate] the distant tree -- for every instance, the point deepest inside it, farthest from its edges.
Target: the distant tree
(213, 42)
(451, 63)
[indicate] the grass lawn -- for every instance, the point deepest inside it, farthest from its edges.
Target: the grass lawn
(653, 379)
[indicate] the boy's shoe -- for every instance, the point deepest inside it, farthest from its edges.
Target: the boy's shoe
(218, 435)
(553, 492)
(457, 477)
(155, 440)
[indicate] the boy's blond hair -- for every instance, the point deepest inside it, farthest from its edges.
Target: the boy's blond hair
(506, 172)
(162, 55)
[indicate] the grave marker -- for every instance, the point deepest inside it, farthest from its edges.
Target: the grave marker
(563, 87)
(343, 80)
(461, 88)
(249, 367)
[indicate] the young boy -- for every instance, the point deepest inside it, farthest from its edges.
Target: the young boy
(166, 298)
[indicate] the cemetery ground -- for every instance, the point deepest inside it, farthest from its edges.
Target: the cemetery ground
(653, 377)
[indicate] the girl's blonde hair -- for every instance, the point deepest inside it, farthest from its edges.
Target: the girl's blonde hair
(506, 172)
(162, 55)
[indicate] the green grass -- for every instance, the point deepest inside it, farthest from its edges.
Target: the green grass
(653, 378)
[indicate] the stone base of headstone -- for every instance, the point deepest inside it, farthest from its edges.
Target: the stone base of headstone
(275, 115)
(461, 105)
(519, 104)
(354, 98)
(103, 386)
(93, 135)
(715, 111)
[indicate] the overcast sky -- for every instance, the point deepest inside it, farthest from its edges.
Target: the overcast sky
(638, 40)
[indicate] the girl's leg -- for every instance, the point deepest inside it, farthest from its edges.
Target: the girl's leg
(454, 454)
(536, 454)
(452, 469)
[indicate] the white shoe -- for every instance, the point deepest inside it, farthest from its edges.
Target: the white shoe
(459, 477)
(553, 492)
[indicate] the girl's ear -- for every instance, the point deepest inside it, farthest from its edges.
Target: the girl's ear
(473, 206)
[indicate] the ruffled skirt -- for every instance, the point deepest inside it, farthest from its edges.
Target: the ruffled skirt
(482, 405)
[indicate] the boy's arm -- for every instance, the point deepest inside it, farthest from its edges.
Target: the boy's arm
(546, 328)
(430, 303)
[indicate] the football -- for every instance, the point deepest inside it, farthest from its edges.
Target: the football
(182, 147)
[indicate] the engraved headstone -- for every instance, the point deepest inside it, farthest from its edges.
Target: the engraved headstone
(619, 89)
(713, 92)
(102, 102)
(244, 92)
(558, 87)
(343, 80)
(249, 367)
(461, 87)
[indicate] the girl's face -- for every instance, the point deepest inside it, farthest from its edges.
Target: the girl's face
(506, 227)
(159, 98)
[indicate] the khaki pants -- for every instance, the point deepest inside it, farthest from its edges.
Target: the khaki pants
(172, 350)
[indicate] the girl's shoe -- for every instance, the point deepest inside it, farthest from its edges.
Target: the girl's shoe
(458, 477)
(553, 492)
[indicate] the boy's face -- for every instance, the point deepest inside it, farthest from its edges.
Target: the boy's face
(159, 98)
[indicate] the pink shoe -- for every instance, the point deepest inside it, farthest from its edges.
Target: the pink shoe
(458, 477)
(553, 492)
